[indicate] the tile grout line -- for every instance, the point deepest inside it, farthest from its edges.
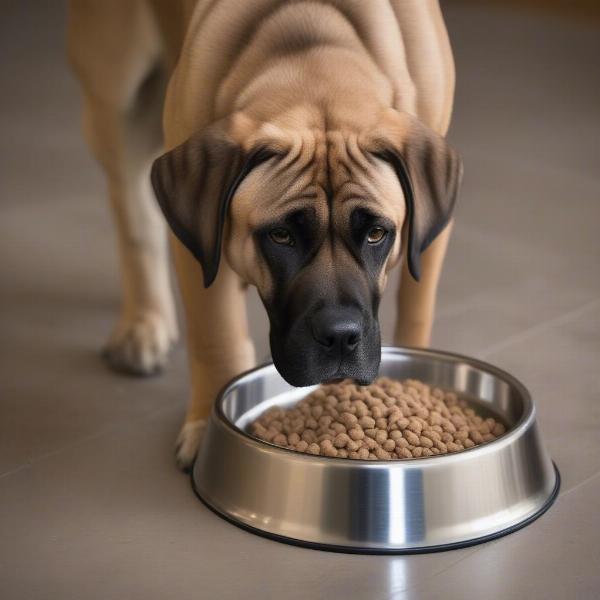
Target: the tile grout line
(402, 591)
(580, 484)
(539, 328)
(106, 431)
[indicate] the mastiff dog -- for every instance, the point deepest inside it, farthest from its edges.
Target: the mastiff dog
(303, 153)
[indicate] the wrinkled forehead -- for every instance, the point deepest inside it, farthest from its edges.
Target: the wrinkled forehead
(328, 172)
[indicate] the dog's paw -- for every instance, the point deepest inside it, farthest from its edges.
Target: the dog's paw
(187, 444)
(140, 346)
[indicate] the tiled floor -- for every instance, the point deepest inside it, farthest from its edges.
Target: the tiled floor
(91, 505)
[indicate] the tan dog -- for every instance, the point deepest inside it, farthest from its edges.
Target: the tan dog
(305, 146)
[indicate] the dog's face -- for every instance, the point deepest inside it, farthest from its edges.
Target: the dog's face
(314, 221)
(315, 228)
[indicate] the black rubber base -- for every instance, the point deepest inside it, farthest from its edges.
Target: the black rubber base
(419, 550)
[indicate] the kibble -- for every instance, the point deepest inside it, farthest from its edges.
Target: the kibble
(388, 419)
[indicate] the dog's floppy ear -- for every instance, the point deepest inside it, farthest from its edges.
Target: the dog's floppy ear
(194, 184)
(430, 172)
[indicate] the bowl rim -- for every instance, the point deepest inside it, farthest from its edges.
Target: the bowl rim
(523, 423)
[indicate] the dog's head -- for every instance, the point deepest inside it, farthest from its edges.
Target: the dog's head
(315, 221)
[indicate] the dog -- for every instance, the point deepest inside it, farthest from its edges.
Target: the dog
(305, 155)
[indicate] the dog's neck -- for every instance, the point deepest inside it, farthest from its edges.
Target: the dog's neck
(321, 77)
(308, 66)
(341, 95)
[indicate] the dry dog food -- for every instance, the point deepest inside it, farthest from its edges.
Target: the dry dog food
(388, 419)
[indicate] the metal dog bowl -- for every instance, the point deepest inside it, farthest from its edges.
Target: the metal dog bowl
(408, 505)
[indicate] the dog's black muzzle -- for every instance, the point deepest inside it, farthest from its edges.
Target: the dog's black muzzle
(326, 343)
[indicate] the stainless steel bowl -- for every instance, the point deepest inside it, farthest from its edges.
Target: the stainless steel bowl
(395, 506)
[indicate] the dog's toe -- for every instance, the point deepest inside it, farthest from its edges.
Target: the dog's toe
(140, 346)
(187, 443)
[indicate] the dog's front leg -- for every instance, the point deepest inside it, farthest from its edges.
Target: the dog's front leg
(416, 299)
(219, 345)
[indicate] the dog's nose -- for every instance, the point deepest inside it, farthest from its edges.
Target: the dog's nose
(337, 329)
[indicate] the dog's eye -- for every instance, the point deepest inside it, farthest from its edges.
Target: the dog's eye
(281, 236)
(376, 234)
